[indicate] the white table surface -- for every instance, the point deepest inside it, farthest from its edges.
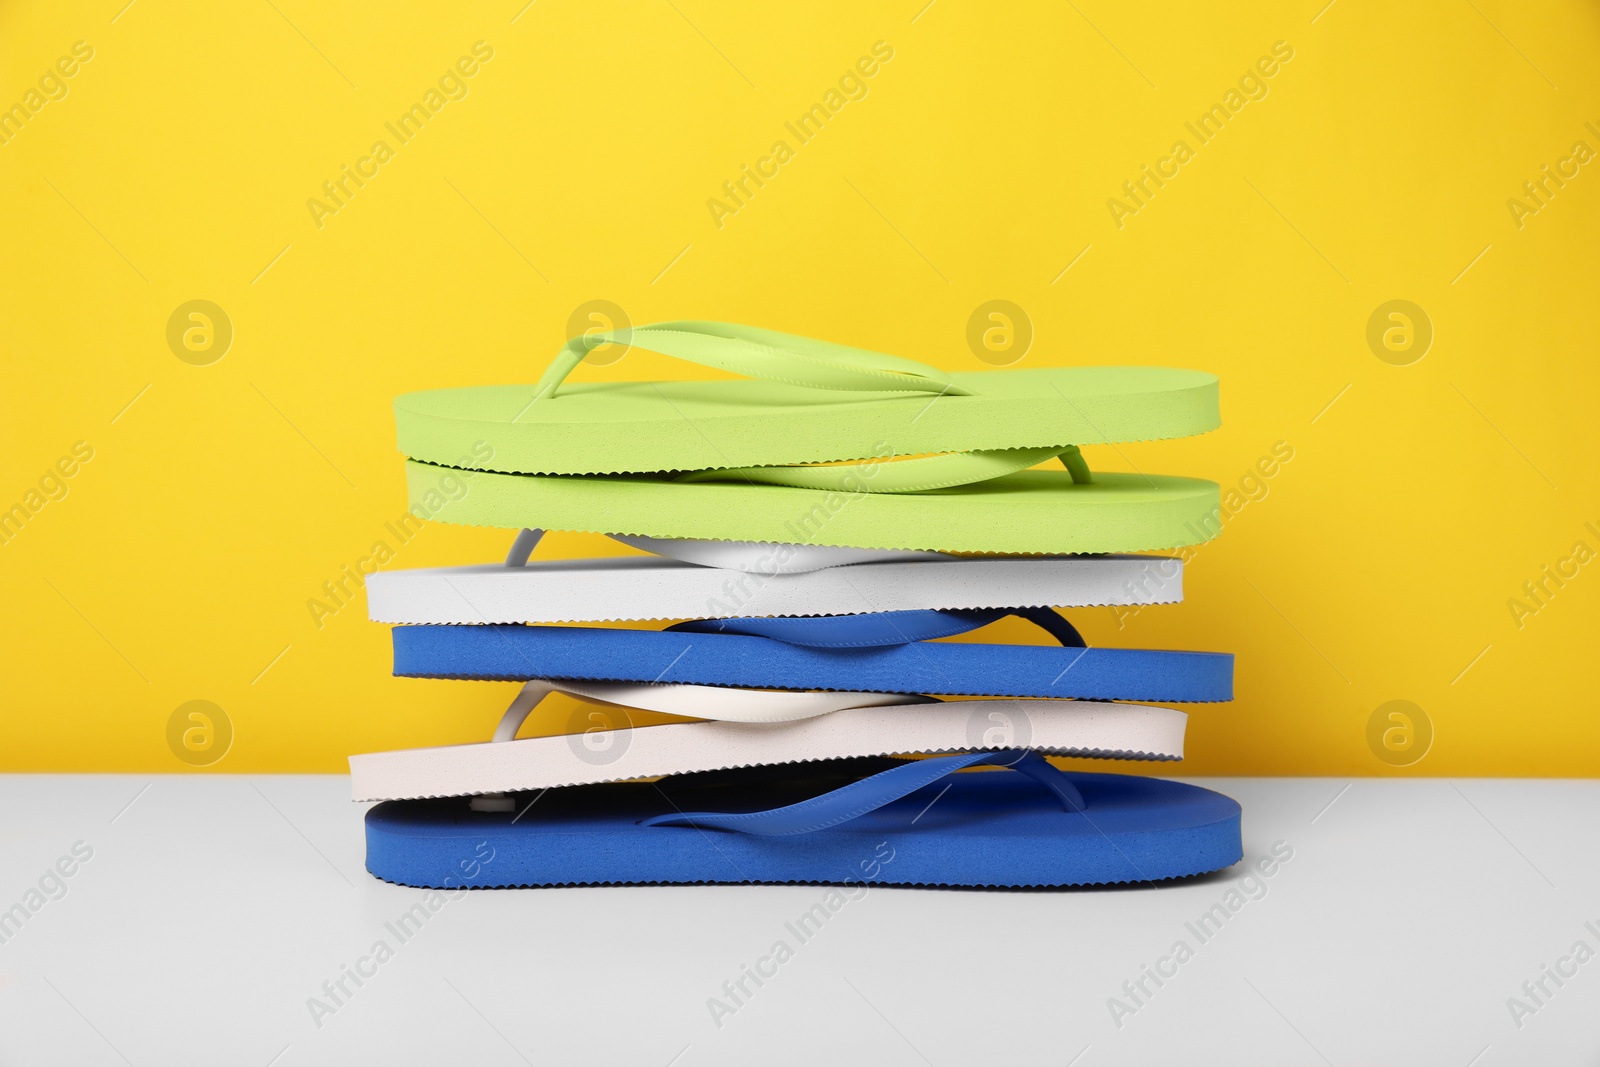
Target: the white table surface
(214, 907)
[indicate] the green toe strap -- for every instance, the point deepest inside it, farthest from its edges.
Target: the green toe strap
(757, 353)
(805, 361)
(907, 475)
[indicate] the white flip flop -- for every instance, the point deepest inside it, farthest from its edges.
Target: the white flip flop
(726, 579)
(766, 728)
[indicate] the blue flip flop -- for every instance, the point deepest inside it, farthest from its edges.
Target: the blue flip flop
(908, 822)
(884, 652)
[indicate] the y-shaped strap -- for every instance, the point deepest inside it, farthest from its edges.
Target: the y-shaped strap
(906, 475)
(757, 353)
(806, 361)
(869, 794)
(768, 557)
(881, 628)
(752, 557)
(722, 703)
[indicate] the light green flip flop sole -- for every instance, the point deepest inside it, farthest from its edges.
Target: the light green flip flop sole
(644, 427)
(1035, 511)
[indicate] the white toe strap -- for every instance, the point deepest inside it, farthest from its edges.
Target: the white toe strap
(698, 701)
(751, 557)
(763, 557)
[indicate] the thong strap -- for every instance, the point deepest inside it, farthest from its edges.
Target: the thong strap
(880, 629)
(866, 630)
(757, 557)
(721, 703)
(806, 361)
(869, 794)
(757, 353)
(907, 475)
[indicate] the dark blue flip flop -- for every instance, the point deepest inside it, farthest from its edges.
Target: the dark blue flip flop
(908, 822)
(887, 652)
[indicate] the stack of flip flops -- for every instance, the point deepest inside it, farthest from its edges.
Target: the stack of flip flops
(823, 522)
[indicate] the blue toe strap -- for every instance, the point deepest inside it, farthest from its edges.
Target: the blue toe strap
(869, 794)
(880, 628)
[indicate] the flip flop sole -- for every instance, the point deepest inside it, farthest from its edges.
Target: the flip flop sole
(1032, 511)
(521, 653)
(634, 589)
(1057, 727)
(985, 829)
(595, 428)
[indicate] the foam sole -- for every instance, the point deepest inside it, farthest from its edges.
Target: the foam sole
(1035, 511)
(617, 427)
(521, 653)
(634, 589)
(974, 829)
(1057, 727)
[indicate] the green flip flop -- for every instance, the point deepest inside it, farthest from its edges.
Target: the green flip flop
(1042, 512)
(812, 402)
(779, 460)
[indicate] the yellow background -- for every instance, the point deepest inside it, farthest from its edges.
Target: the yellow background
(979, 165)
